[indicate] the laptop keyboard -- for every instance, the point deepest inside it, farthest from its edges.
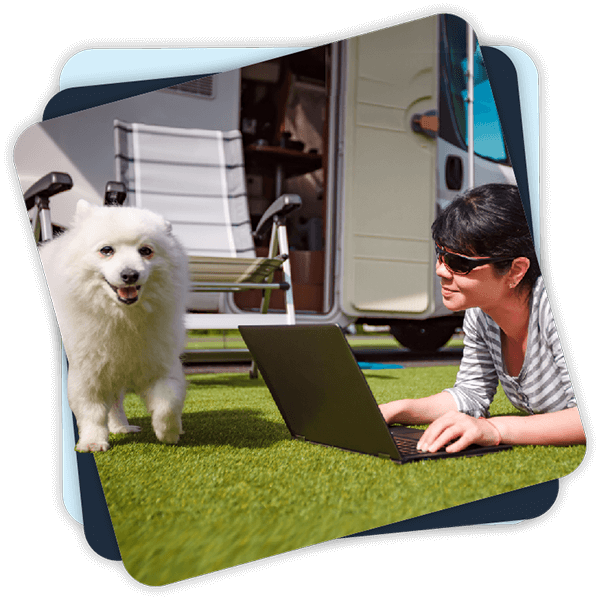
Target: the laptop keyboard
(407, 445)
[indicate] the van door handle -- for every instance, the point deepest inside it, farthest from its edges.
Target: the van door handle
(454, 172)
(426, 123)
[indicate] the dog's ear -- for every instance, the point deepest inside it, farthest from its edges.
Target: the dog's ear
(83, 210)
(168, 226)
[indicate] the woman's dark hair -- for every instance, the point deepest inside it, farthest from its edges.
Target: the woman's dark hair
(488, 220)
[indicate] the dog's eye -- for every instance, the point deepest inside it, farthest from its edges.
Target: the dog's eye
(107, 251)
(146, 252)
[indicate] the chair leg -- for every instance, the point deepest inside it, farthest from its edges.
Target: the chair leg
(287, 274)
(266, 295)
(278, 245)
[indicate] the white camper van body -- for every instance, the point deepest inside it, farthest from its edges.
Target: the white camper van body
(386, 183)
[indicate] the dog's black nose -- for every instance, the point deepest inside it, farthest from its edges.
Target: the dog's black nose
(129, 276)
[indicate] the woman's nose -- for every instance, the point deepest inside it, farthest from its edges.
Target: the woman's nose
(441, 270)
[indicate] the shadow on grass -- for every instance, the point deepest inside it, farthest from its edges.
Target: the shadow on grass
(239, 380)
(237, 428)
(243, 380)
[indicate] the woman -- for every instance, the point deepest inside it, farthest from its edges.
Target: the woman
(487, 265)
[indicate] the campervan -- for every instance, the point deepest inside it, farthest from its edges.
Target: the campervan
(375, 133)
(388, 113)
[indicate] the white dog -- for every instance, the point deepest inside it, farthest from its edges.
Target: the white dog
(118, 280)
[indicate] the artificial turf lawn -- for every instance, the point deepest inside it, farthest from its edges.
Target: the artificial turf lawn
(237, 488)
(232, 339)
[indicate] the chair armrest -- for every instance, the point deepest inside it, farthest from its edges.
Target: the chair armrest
(278, 211)
(115, 194)
(49, 185)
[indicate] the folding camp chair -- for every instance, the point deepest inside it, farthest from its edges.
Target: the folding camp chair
(195, 178)
(208, 274)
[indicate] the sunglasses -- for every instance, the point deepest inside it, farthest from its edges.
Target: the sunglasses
(457, 263)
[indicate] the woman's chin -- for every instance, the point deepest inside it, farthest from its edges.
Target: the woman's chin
(452, 303)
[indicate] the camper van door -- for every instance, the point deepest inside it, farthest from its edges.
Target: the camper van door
(390, 172)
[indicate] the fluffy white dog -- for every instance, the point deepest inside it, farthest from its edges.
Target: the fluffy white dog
(118, 280)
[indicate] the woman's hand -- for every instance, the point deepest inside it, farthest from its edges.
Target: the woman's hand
(392, 411)
(463, 429)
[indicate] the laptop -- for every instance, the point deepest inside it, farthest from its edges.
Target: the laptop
(324, 397)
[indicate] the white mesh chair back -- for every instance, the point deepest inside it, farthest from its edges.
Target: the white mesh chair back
(195, 178)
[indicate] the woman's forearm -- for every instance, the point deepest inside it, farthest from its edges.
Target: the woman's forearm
(418, 411)
(560, 428)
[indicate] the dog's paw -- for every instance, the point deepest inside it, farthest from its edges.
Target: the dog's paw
(83, 446)
(167, 426)
(168, 437)
(126, 429)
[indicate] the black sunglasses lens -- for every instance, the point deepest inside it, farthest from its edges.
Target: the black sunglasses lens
(455, 263)
(458, 264)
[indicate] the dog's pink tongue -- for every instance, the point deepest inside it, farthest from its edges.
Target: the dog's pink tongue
(127, 292)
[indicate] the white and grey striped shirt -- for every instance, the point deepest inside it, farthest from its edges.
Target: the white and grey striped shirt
(542, 386)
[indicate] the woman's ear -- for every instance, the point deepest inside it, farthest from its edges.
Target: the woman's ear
(518, 269)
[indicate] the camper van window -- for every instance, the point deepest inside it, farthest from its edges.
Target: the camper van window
(489, 141)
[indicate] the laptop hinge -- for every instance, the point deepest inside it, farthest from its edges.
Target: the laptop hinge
(387, 456)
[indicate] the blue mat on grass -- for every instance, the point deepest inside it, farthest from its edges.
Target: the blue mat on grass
(368, 365)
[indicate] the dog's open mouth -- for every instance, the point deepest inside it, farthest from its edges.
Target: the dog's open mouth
(128, 294)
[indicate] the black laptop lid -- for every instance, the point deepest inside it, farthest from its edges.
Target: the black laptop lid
(318, 386)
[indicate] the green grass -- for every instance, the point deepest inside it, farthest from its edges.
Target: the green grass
(238, 489)
(216, 339)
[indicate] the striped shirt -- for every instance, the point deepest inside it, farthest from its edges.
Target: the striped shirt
(542, 386)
